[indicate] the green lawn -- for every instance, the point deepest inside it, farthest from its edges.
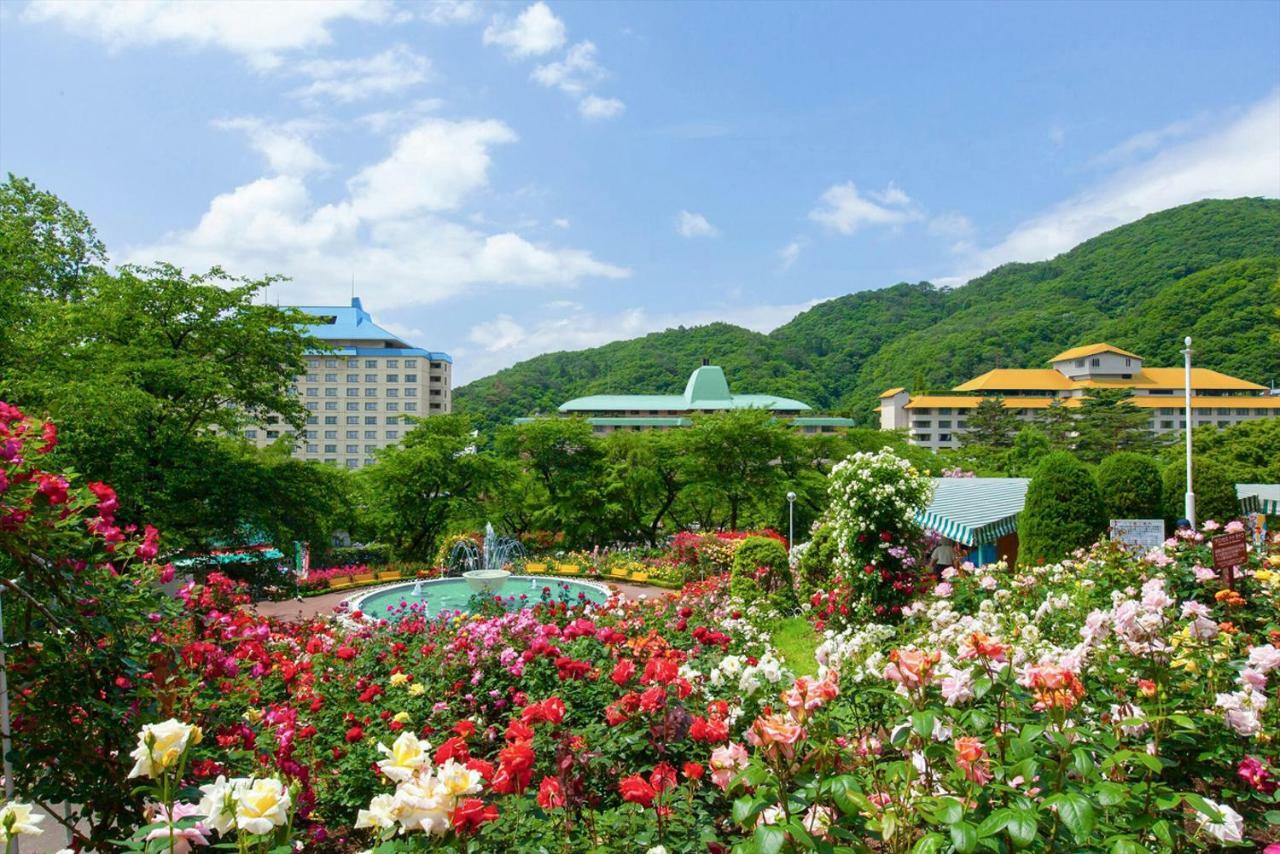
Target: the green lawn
(795, 640)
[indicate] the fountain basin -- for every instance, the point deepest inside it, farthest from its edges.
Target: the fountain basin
(487, 581)
(453, 595)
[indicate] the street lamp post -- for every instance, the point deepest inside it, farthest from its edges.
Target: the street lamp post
(1189, 508)
(791, 522)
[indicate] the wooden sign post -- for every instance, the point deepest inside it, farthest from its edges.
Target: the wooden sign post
(1229, 551)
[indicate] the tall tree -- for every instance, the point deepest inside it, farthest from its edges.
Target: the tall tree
(643, 477)
(1058, 423)
(991, 425)
(1108, 422)
(433, 478)
(735, 458)
(563, 457)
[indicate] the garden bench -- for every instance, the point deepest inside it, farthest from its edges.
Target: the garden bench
(339, 581)
(535, 568)
(388, 575)
(640, 577)
(363, 578)
(568, 569)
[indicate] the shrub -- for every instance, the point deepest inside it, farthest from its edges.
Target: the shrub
(817, 558)
(1214, 486)
(1063, 511)
(760, 568)
(1131, 486)
(373, 554)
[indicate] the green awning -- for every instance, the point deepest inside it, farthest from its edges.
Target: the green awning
(249, 556)
(974, 510)
(1259, 498)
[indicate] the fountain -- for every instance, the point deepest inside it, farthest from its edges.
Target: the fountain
(482, 567)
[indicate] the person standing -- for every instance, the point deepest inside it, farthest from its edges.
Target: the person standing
(943, 555)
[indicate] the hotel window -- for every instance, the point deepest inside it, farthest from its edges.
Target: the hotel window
(436, 378)
(371, 378)
(411, 392)
(1242, 412)
(1128, 363)
(369, 449)
(944, 437)
(312, 407)
(393, 363)
(353, 378)
(435, 406)
(393, 378)
(331, 378)
(251, 434)
(331, 434)
(413, 407)
(436, 365)
(1166, 425)
(313, 392)
(411, 378)
(331, 419)
(353, 434)
(393, 419)
(393, 434)
(313, 449)
(313, 363)
(311, 419)
(918, 425)
(353, 419)
(1259, 412)
(371, 419)
(393, 407)
(435, 392)
(371, 363)
(391, 392)
(1079, 363)
(313, 378)
(370, 392)
(1095, 363)
(371, 407)
(944, 423)
(944, 411)
(330, 449)
(368, 461)
(353, 406)
(355, 392)
(331, 363)
(1224, 423)
(310, 434)
(331, 392)
(411, 363)
(330, 405)
(1222, 411)
(923, 437)
(371, 434)
(353, 449)
(352, 464)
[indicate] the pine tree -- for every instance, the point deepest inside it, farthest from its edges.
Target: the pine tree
(991, 425)
(1059, 424)
(1108, 422)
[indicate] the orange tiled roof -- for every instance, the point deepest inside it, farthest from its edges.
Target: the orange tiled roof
(1018, 379)
(1091, 350)
(891, 392)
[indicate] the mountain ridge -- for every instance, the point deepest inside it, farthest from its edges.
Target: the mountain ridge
(1210, 269)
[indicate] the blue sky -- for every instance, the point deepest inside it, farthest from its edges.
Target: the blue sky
(509, 179)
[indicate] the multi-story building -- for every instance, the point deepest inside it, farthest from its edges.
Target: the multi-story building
(359, 393)
(706, 391)
(938, 421)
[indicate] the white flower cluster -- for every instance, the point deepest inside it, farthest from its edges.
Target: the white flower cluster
(254, 805)
(425, 796)
(848, 651)
(870, 492)
(768, 673)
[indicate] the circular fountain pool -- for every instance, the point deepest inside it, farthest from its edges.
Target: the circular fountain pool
(447, 595)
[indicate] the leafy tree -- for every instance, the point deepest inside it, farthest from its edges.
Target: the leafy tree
(991, 425)
(147, 369)
(1063, 510)
(736, 459)
(564, 460)
(1030, 446)
(431, 479)
(760, 568)
(643, 479)
(1215, 489)
(1058, 423)
(1108, 422)
(1131, 486)
(1250, 449)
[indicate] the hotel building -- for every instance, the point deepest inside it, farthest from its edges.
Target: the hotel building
(706, 391)
(1219, 400)
(358, 394)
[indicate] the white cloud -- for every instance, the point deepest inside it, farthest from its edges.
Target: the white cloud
(346, 80)
(788, 254)
(689, 224)
(390, 230)
(285, 146)
(1240, 159)
(383, 121)
(953, 225)
(260, 33)
(1148, 141)
(535, 32)
(503, 341)
(431, 168)
(843, 209)
(561, 222)
(576, 73)
(443, 12)
(594, 107)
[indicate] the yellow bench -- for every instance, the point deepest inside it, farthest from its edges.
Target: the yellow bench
(339, 581)
(387, 575)
(535, 568)
(363, 578)
(619, 573)
(568, 569)
(640, 577)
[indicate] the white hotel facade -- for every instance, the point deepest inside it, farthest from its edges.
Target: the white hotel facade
(360, 393)
(937, 421)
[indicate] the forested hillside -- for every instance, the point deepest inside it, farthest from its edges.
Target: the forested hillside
(1209, 269)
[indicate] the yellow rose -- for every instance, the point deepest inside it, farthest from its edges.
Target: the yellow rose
(161, 745)
(398, 679)
(262, 806)
(417, 689)
(401, 718)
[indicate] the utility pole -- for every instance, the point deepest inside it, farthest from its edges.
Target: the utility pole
(1189, 509)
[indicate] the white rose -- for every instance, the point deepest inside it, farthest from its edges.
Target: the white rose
(405, 756)
(18, 819)
(262, 806)
(218, 802)
(161, 745)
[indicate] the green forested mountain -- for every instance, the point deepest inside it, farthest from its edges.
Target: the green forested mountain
(1209, 269)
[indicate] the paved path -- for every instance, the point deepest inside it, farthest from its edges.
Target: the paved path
(292, 609)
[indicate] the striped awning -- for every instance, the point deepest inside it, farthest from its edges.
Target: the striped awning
(1259, 498)
(974, 510)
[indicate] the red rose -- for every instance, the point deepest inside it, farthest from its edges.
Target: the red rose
(635, 790)
(484, 769)
(519, 731)
(550, 794)
(694, 770)
(454, 748)
(464, 728)
(653, 699)
(623, 671)
(472, 813)
(663, 777)
(354, 734)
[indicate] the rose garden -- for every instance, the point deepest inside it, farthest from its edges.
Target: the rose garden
(1112, 701)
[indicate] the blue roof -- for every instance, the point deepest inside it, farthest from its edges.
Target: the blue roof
(353, 323)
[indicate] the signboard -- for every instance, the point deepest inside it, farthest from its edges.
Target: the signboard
(1138, 534)
(1229, 551)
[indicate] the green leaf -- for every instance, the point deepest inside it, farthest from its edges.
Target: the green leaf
(922, 723)
(747, 808)
(1082, 761)
(1109, 794)
(994, 823)
(1126, 845)
(949, 811)
(930, 843)
(964, 836)
(769, 839)
(1022, 827)
(1076, 813)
